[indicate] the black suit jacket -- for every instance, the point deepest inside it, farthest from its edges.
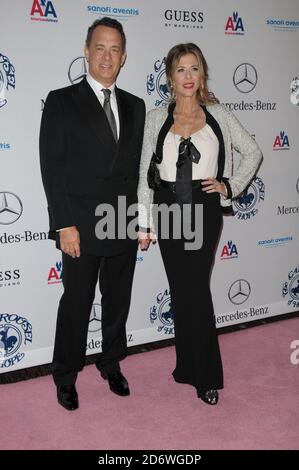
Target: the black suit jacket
(82, 166)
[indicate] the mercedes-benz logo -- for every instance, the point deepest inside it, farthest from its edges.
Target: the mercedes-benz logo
(239, 291)
(11, 208)
(77, 70)
(245, 78)
(95, 323)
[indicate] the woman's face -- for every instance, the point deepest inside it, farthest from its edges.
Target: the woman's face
(186, 76)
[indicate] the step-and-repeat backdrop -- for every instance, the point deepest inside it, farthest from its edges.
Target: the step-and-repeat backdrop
(252, 52)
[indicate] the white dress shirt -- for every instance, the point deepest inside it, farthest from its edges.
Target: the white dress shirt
(206, 143)
(97, 88)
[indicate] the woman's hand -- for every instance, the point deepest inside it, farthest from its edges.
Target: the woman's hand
(211, 185)
(145, 239)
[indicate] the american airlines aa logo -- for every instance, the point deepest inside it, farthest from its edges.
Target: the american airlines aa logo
(281, 142)
(43, 10)
(162, 313)
(229, 251)
(55, 273)
(234, 24)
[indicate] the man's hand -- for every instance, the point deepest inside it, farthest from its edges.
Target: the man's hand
(70, 241)
(144, 240)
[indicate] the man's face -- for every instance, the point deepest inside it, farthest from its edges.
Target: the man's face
(105, 55)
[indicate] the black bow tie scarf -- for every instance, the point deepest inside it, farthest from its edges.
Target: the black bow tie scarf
(188, 154)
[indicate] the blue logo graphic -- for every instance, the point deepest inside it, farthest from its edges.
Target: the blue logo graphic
(162, 313)
(14, 332)
(156, 84)
(290, 288)
(7, 78)
(295, 91)
(245, 205)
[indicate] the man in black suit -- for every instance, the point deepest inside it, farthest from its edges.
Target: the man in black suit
(90, 144)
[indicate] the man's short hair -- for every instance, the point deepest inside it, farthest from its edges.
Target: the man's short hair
(110, 23)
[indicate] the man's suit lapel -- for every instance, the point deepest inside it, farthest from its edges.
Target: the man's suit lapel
(95, 116)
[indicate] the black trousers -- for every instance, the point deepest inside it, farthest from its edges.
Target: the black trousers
(198, 360)
(80, 276)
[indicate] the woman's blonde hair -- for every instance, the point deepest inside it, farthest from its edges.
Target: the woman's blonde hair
(204, 96)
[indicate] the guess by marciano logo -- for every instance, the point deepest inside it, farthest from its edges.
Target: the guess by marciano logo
(184, 19)
(43, 10)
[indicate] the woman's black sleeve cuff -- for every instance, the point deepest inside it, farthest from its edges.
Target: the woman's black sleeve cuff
(228, 188)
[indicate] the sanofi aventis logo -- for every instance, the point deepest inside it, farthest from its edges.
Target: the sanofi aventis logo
(121, 13)
(282, 24)
(275, 242)
(4, 146)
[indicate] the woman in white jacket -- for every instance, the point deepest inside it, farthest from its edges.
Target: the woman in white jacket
(187, 163)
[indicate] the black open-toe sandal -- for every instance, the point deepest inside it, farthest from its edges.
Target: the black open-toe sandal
(208, 396)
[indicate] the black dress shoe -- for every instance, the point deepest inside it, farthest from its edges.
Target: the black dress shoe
(67, 397)
(117, 382)
(208, 396)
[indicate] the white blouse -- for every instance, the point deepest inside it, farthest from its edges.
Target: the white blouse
(206, 143)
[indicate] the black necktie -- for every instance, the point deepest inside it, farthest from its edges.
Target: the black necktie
(109, 112)
(188, 154)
